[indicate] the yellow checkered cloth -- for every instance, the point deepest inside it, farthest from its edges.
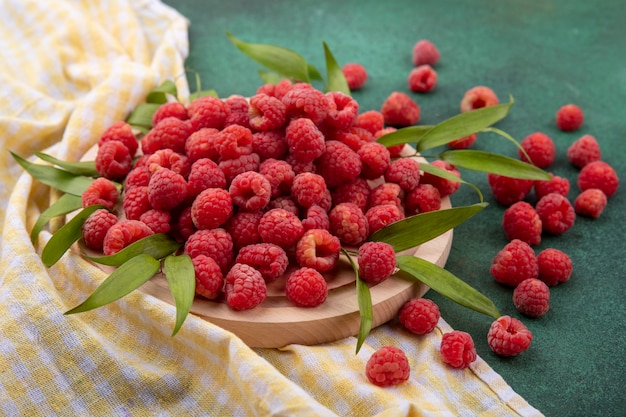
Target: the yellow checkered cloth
(69, 69)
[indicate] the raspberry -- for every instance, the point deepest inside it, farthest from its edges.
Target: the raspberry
(318, 249)
(348, 223)
(356, 75)
(138, 176)
(269, 145)
(425, 53)
(569, 117)
(209, 278)
(555, 266)
(141, 161)
(279, 174)
(316, 218)
(354, 137)
(300, 167)
(96, 227)
(170, 133)
(370, 120)
(521, 221)
(419, 315)
(382, 215)
(306, 287)
(583, 151)
(243, 228)
(238, 111)
(205, 174)
(556, 213)
(172, 109)
(182, 225)
(478, 97)
(395, 150)
(388, 366)
(457, 349)
(590, 203)
(514, 263)
(233, 142)
(308, 189)
(113, 161)
(422, 199)
(508, 336)
(405, 172)
(101, 191)
(598, 174)
(555, 184)
(386, 193)
(135, 202)
(201, 144)
(400, 110)
(269, 259)
(122, 234)
(214, 243)
(305, 141)
(233, 167)
(245, 287)
(306, 102)
(338, 164)
(266, 112)
(207, 111)
(250, 191)
(280, 227)
(279, 90)
(464, 142)
(540, 149)
(532, 297)
(445, 186)
(157, 220)
(285, 203)
(377, 261)
(167, 158)
(356, 192)
(422, 79)
(343, 110)
(211, 208)
(166, 189)
(123, 132)
(507, 190)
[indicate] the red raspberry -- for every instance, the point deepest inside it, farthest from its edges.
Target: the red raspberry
(590, 203)
(540, 149)
(166, 189)
(214, 243)
(157, 220)
(422, 199)
(308, 189)
(172, 109)
(122, 234)
(382, 215)
(208, 111)
(113, 161)
(348, 223)
(96, 227)
(598, 174)
(395, 150)
(338, 164)
(170, 133)
(233, 167)
(400, 110)
(280, 227)
(306, 287)
(343, 110)
(123, 132)
(569, 117)
(276, 90)
(446, 187)
(556, 213)
(514, 263)
(201, 144)
(419, 315)
(507, 190)
(209, 278)
(422, 79)
(555, 184)
(300, 167)
(315, 218)
(211, 208)
(464, 142)
(371, 120)
(386, 193)
(233, 142)
(279, 174)
(583, 151)
(238, 111)
(532, 297)
(356, 192)
(285, 203)
(266, 112)
(354, 137)
(405, 172)
(245, 287)
(167, 158)
(306, 102)
(425, 53)
(478, 97)
(243, 227)
(508, 336)
(318, 249)
(521, 221)
(138, 176)
(375, 159)
(141, 161)
(269, 145)
(305, 141)
(101, 191)
(457, 349)
(182, 225)
(356, 75)
(555, 266)
(135, 202)
(205, 174)
(250, 191)
(377, 261)
(388, 366)
(269, 259)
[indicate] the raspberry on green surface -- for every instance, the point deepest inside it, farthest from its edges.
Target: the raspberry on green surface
(540, 149)
(457, 349)
(356, 75)
(598, 174)
(507, 190)
(477, 98)
(422, 79)
(376, 261)
(388, 366)
(583, 151)
(400, 110)
(425, 53)
(590, 203)
(306, 287)
(555, 184)
(508, 336)
(521, 221)
(245, 287)
(371, 120)
(532, 297)
(419, 315)
(569, 117)
(514, 263)
(556, 213)
(555, 266)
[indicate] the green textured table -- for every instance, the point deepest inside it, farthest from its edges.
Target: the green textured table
(544, 53)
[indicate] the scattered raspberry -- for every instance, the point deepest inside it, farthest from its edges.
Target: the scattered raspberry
(343, 110)
(167, 158)
(243, 227)
(233, 167)
(445, 186)
(208, 111)
(400, 110)
(308, 189)
(514, 263)
(157, 220)
(201, 144)
(205, 174)
(280, 227)
(356, 75)
(315, 218)
(388, 366)
(233, 141)
(540, 149)
(419, 315)
(305, 141)
(170, 133)
(166, 189)
(556, 213)
(211, 208)
(377, 261)
(244, 288)
(96, 227)
(209, 278)
(590, 203)
(214, 243)
(521, 221)
(425, 53)
(356, 192)
(464, 142)
(457, 349)
(238, 111)
(250, 191)
(569, 117)
(279, 174)
(338, 164)
(478, 97)
(382, 215)
(583, 151)
(303, 102)
(598, 174)
(269, 259)
(318, 249)
(269, 145)
(532, 297)
(386, 193)
(172, 109)
(306, 287)
(405, 172)
(113, 161)
(371, 120)
(122, 132)
(348, 223)
(266, 112)
(422, 199)
(101, 191)
(508, 336)
(122, 234)
(507, 190)
(555, 184)
(138, 176)
(555, 266)
(422, 79)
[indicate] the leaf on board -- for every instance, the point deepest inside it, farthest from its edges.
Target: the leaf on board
(181, 278)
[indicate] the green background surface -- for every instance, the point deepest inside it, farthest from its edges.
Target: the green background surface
(545, 54)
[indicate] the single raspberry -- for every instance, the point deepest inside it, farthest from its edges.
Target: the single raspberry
(343, 110)
(214, 243)
(422, 79)
(508, 190)
(514, 263)
(419, 315)
(478, 97)
(269, 259)
(354, 137)
(370, 120)
(405, 172)
(464, 142)
(166, 189)
(205, 174)
(532, 297)
(280, 227)
(284, 202)
(269, 145)
(590, 203)
(555, 266)
(211, 208)
(425, 53)
(245, 287)
(170, 133)
(167, 158)
(243, 227)
(306, 287)
(306, 102)
(308, 189)
(569, 117)
(101, 191)
(182, 225)
(209, 278)
(96, 227)
(305, 140)
(399, 110)
(279, 174)
(382, 215)
(598, 174)
(521, 221)
(338, 164)
(171, 109)
(356, 75)
(348, 223)
(157, 220)
(556, 213)
(356, 192)
(422, 199)
(123, 132)
(386, 193)
(233, 141)
(555, 184)
(276, 90)
(122, 234)
(250, 191)
(113, 161)
(508, 336)
(457, 349)
(238, 111)
(540, 149)
(377, 261)
(201, 144)
(208, 111)
(445, 186)
(388, 366)
(138, 176)
(141, 161)
(395, 150)
(233, 167)
(318, 249)
(315, 217)
(135, 202)
(266, 112)
(583, 151)
(298, 166)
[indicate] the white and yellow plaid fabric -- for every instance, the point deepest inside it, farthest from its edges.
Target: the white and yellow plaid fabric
(68, 70)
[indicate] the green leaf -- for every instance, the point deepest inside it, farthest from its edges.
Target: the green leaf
(420, 228)
(203, 93)
(314, 73)
(128, 277)
(86, 168)
(270, 77)
(508, 137)
(446, 284)
(159, 94)
(141, 116)
(67, 203)
(410, 134)
(336, 79)
(443, 173)
(491, 162)
(364, 300)
(65, 237)
(158, 246)
(181, 278)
